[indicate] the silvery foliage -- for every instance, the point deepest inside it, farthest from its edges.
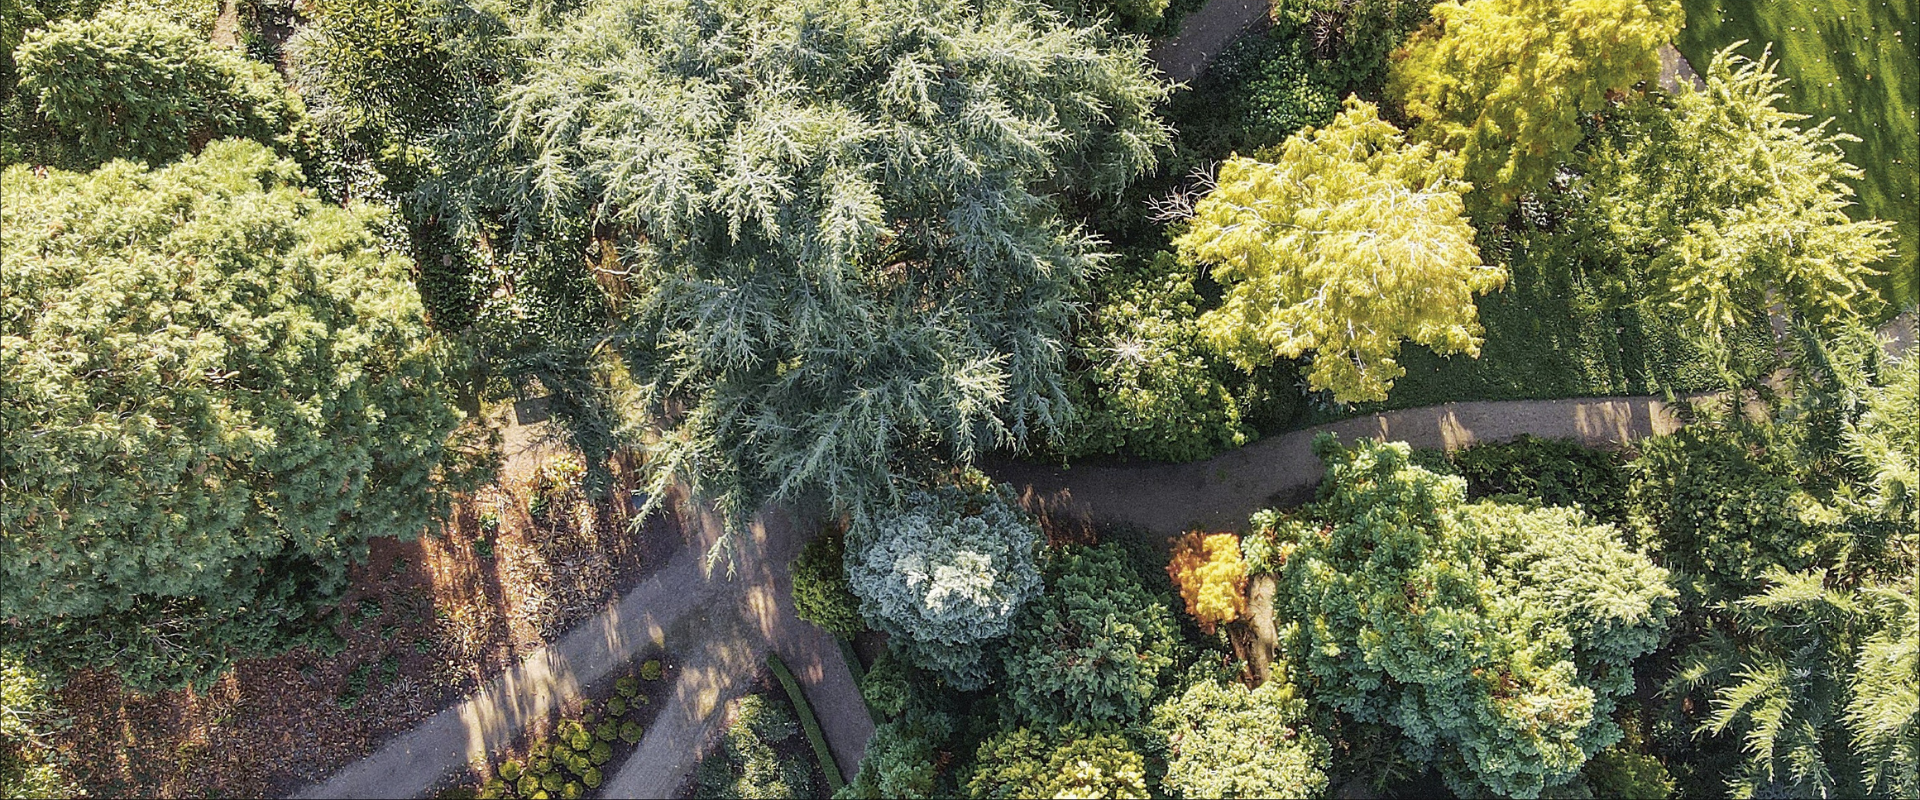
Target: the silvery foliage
(945, 576)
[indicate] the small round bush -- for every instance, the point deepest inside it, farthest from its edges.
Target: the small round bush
(652, 670)
(630, 732)
(600, 754)
(527, 785)
(888, 686)
(591, 779)
(627, 686)
(820, 593)
(573, 790)
(553, 782)
(616, 707)
(540, 767)
(607, 731)
(944, 576)
(493, 790)
(510, 771)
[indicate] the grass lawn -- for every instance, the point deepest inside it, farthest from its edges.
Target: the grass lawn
(1857, 61)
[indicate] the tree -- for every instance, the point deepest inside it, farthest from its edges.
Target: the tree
(1729, 206)
(1496, 638)
(1352, 39)
(1093, 648)
(820, 593)
(833, 271)
(1505, 82)
(945, 576)
(122, 85)
(1226, 741)
(1211, 576)
(216, 390)
(1350, 242)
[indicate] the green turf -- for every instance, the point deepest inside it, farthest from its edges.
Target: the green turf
(1857, 61)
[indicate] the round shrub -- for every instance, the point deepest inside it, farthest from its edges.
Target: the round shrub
(820, 593)
(600, 754)
(630, 732)
(627, 686)
(574, 790)
(944, 576)
(1094, 647)
(553, 782)
(1225, 741)
(527, 785)
(592, 779)
(652, 670)
(888, 686)
(616, 707)
(607, 731)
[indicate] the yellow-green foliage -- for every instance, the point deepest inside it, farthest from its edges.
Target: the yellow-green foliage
(1212, 577)
(1504, 82)
(1347, 244)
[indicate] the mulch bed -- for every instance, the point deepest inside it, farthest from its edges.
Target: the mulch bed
(426, 622)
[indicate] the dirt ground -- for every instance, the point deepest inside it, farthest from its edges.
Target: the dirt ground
(426, 621)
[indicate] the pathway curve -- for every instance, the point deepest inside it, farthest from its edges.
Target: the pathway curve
(1222, 492)
(1204, 34)
(715, 628)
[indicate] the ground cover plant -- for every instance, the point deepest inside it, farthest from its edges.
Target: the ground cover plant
(586, 744)
(762, 755)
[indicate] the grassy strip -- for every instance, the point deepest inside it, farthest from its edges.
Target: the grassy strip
(859, 671)
(1851, 60)
(811, 725)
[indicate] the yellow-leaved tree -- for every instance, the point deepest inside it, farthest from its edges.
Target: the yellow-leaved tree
(1504, 82)
(1211, 576)
(1350, 242)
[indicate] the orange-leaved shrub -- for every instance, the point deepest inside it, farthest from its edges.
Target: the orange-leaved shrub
(1211, 575)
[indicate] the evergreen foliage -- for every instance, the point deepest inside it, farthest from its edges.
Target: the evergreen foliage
(745, 766)
(944, 577)
(216, 391)
(1555, 472)
(1074, 761)
(1211, 576)
(1497, 639)
(820, 593)
(29, 765)
(1729, 205)
(888, 686)
(901, 760)
(1350, 39)
(122, 85)
(1226, 741)
(1093, 648)
(853, 256)
(1350, 242)
(1504, 83)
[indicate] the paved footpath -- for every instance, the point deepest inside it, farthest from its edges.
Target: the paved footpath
(715, 629)
(1221, 492)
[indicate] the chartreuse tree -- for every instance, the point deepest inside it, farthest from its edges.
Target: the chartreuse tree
(1731, 205)
(216, 390)
(1225, 740)
(1504, 83)
(1496, 638)
(1348, 243)
(1070, 761)
(827, 229)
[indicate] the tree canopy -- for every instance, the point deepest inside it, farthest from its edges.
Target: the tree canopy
(216, 391)
(1505, 82)
(1348, 243)
(827, 229)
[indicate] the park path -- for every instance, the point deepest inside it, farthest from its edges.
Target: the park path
(716, 629)
(1204, 34)
(1221, 492)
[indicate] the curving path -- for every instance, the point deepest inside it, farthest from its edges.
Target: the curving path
(1221, 492)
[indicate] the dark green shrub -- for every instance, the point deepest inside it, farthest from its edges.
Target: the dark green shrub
(591, 779)
(1556, 472)
(553, 782)
(771, 721)
(616, 707)
(888, 687)
(1628, 775)
(630, 732)
(652, 670)
(389, 668)
(142, 88)
(1349, 40)
(607, 731)
(820, 593)
(627, 686)
(1094, 647)
(355, 686)
(600, 754)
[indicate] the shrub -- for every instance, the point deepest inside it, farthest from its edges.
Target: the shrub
(592, 779)
(1496, 638)
(1093, 648)
(652, 670)
(136, 86)
(888, 687)
(1557, 472)
(510, 771)
(1350, 40)
(607, 731)
(771, 721)
(944, 576)
(902, 759)
(600, 754)
(627, 686)
(820, 593)
(553, 782)
(1211, 576)
(527, 785)
(1225, 741)
(630, 732)
(746, 767)
(616, 707)
(1077, 762)
(1619, 772)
